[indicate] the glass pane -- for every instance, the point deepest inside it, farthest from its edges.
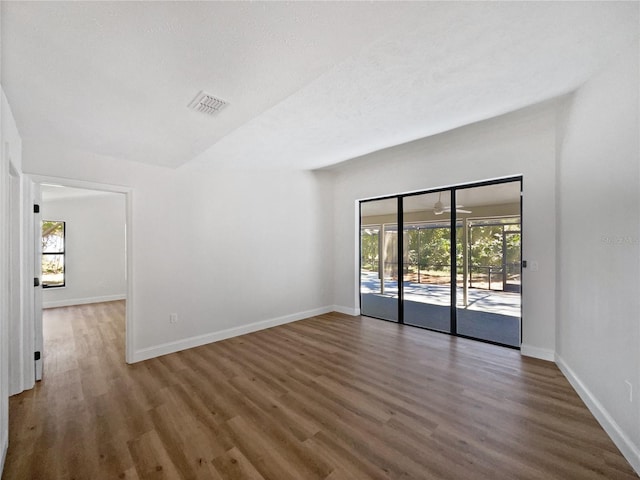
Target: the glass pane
(379, 259)
(427, 260)
(369, 251)
(52, 237)
(513, 262)
(52, 270)
(488, 295)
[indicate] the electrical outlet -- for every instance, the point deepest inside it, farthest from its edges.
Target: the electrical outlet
(173, 318)
(629, 389)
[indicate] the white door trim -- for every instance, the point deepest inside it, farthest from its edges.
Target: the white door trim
(28, 319)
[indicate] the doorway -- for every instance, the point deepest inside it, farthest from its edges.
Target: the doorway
(82, 281)
(447, 260)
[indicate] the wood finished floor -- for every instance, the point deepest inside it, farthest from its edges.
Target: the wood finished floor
(331, 397)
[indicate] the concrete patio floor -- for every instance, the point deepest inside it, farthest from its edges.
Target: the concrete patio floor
(490, 315)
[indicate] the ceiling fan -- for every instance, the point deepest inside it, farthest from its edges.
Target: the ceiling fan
(439, 208)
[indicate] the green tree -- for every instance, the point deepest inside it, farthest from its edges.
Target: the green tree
(369, 247)
(486, 245)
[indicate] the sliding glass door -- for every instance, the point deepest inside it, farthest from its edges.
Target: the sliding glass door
(488, 306)
(457, 254)
(427, 260)
(379, 259)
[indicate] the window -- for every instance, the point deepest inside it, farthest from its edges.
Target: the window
(53, 254)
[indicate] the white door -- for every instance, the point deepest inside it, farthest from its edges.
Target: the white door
(37, 280)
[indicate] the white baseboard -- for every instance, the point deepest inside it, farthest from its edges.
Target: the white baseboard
(354, 312)
(191, 342)
(82, 301)
(537, 352)
(630, 451)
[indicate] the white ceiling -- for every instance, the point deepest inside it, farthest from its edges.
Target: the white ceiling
(309, 84)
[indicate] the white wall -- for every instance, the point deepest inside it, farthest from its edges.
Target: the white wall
(10, 158)
(223, 250)
(599, 248)
(94, 249)
(518, 143)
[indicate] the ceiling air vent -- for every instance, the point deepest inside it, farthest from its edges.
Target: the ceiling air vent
(206, 103)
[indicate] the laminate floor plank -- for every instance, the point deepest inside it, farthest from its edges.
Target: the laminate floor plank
(331, 397)
(233, 465)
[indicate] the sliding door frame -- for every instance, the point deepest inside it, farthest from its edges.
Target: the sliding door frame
(452, 190)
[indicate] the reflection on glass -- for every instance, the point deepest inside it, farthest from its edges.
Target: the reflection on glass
(427, 260)
(488, 297)
(379, 259)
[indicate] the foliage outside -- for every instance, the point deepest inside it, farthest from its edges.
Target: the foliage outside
(427, 253)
